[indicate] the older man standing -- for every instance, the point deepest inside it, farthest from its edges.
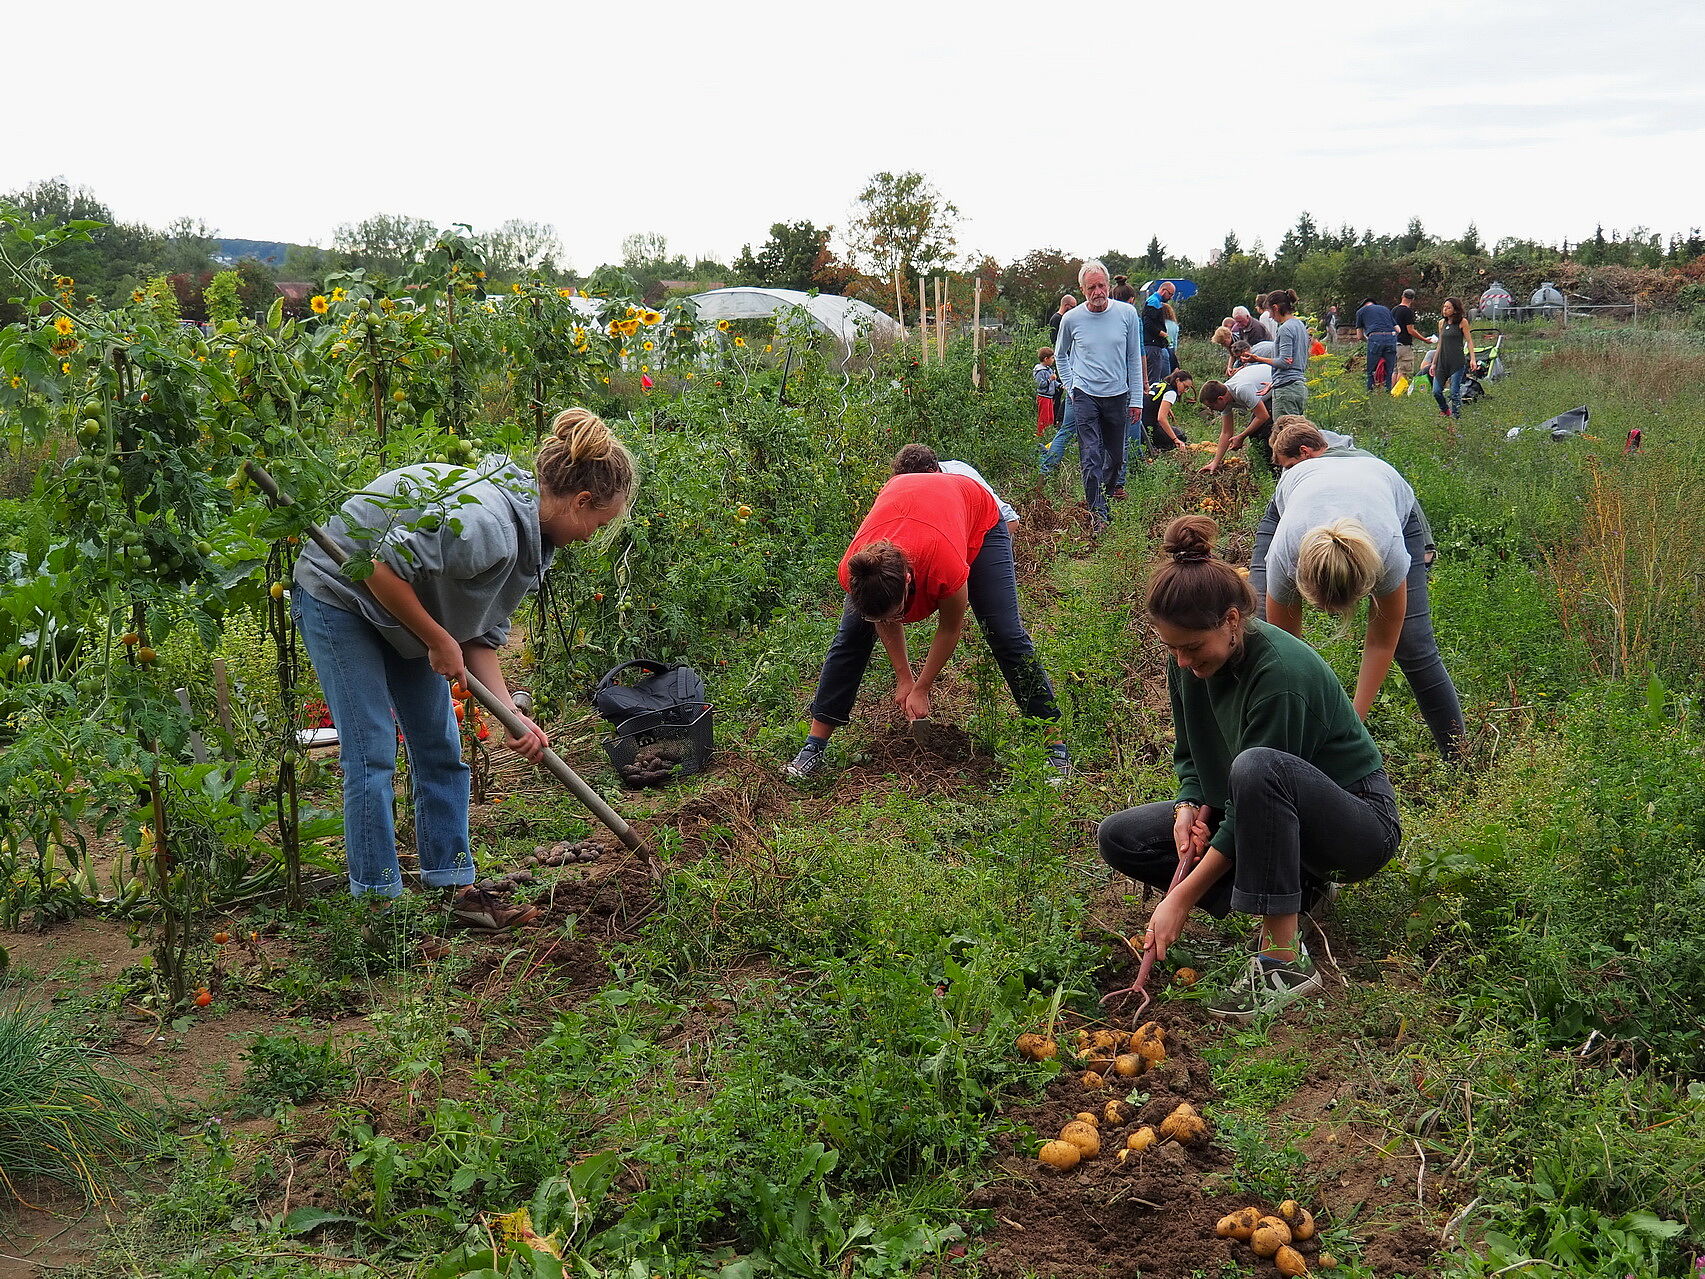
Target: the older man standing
(1099, 354)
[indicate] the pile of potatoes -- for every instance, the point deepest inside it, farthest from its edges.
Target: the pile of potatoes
(565, 853)
(1272, 1236)
(1081, 1138)
(655, 765)
(1105, 1053)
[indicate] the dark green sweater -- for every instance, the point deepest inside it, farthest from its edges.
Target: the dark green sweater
(1280, 693)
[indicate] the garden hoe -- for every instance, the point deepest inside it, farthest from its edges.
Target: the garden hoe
(550, 760)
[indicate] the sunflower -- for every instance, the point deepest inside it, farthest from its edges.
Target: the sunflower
(65, 367)
(629, 328)
(652, 318)
(387, 304)
(65, 282)
(623, 353)
(722, 326)
(63, 326)
(615, 327)
(649, 345)
(137, 295)
(317, 304)
(338, 294)
(16, 382)
(516, 287)
(739, 341)
(565, 293)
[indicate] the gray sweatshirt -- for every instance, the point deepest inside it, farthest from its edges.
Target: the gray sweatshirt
(471, 570)
(1314, 493)
(1291, 352)
(1101, 352)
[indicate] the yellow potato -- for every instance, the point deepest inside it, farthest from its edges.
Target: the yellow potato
(1327, 1261)
(1289, 1209)
(1084, 1137)
(1290, 1262)
(1061, 1155)
(1115, 1112)
(1278, 1224)
(1243, 1223)
(1085, 1117)
(1092, 1081)
(1152, 1051)
(1027, 1045)
(1128, 1065)
(1265, 1240)
(1186, 976)
(1141, 1139)
(1103, 1039)
(1303, 1226)
(1227, 1227)
(1183, 1124)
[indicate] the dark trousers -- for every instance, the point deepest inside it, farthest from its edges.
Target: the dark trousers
(1417, 655)
(1296, 829)
(1382, 350)
(1100, 421)
(993, 591)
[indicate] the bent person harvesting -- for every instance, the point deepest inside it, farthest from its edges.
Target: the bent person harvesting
(1280, 789)
(933, 544)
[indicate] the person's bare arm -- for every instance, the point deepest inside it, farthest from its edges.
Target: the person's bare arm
(1385, 625)
(483, 665)
(893, 637)
(1287, 617)
(1225, 443)
(401, 602)
(949, 627)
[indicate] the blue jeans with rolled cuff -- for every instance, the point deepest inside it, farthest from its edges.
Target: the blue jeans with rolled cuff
(371, 690)
(1297, 829)
(993, 591)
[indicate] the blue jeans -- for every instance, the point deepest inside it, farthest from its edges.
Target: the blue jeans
(1452, 386)
(1382, 350)
(1101, 422)
(370, 689)
(1157, 363)
(1055, 451)
(993, 588)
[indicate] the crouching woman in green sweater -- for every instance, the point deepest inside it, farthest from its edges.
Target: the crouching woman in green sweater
(1281, 792)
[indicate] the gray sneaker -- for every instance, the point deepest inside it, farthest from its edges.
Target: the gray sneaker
(1060, 760)
(1266, 988)
(810, 759)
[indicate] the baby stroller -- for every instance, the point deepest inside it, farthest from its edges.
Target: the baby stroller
(1488, 360)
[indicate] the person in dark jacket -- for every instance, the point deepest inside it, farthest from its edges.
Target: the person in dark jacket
(1281, 791)
(1376, 327)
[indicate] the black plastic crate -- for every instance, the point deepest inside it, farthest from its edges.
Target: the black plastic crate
(686, 726)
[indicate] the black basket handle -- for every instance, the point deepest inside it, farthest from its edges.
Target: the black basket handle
(650, 666)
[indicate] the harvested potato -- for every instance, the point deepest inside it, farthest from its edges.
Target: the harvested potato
(1027, 1045)
(1183, 1125)
(1128, 1065)
(1278, 1224)
(1327, 1261)
(1082, 1040)
(1092, 1081)
(1103, 1039)
(1290, 1262)
(1060, 1155)
(1289, 1209)
(1268, 1237)
(1116, 1112)
(1151, 1030)
(1086, 1117)
(1226, 1227)
(1141, 1139)
(1152, 1051)
(1045, 1049)
(1186, 976)
(1303, 1227)
(1242, 1223)
(1084, 1137)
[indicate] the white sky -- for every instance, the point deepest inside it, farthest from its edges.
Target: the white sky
(1080, 125)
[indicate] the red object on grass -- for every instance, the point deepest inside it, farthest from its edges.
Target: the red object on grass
(645, 381)
(1319, 348)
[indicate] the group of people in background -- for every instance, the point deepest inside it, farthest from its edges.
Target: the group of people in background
(1391, 336)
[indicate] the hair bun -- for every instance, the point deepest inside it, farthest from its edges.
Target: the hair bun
(1190, 539)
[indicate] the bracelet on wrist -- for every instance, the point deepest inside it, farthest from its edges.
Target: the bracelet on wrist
(1184, 803)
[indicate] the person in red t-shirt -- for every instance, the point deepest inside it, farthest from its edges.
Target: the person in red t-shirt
(932, 543)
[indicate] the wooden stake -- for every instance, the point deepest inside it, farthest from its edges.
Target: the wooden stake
(941, 319)
(899, 305)
(923, 323)
(977, 333)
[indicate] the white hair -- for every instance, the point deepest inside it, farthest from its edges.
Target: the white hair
(1240, 313)
(1093, 267)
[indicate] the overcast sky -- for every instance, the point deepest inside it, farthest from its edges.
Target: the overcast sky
(1082, 126)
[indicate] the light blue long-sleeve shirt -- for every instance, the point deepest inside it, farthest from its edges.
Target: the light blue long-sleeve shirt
(1101, 352)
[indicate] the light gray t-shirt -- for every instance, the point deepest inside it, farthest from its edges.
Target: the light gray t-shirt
(478, 553)
(1291, 352)
(1249, 384)
(1314, 493)
(1008, 515)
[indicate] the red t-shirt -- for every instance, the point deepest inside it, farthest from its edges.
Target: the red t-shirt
(939, 522)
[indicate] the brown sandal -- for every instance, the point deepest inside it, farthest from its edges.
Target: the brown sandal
(477, 909)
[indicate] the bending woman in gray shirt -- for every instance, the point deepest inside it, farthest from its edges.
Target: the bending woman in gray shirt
(1342, 526)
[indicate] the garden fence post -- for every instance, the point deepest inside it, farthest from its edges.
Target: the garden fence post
(923, 323)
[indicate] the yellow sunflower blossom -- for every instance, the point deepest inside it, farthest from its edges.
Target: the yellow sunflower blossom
(338, 294)
(650, 346)
(387, 304)
(479, 275)
(689, 377)
(653, 318)
(136, 295)
(623, 353)
(318, 304)
(615, 327)
(63, 326)
(565, 293)
(768, 348)
(516, 287)
(739, 341)
(633, 311)
(722, 325)
(16, 382)
(65, 366)
(65, 282)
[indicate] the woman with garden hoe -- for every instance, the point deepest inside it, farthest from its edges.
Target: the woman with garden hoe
(453, 552)
(1280, 789)
(932, 543)
(1344, 526)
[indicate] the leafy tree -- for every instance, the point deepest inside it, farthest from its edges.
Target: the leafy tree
(1414, 237)
(1032, 286)
(789, 259)
(189, 247)
(1300, 240)
(387, 243)
(305, 262)
(904, 226)
(1469, 245)
(1154, 259)
(520, 248)
(1231, 246)
(116, 257)
(257, 286)
(223, 296)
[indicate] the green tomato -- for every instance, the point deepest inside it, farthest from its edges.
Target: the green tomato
(145, 560)
(205, 548)
(112, 475)
(131, 537)
(90, 430)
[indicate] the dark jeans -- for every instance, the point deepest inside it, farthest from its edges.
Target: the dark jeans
(1296, 829)
(993, 588)
(1387, 351)
(1157, 363)
(1101, 421)
(1418, 655)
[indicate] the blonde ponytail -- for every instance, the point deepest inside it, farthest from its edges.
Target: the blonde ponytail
(583, 455)
(1338, 565)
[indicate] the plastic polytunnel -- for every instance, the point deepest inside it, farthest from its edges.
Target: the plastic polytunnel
(844, 319)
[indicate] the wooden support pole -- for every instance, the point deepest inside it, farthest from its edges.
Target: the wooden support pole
(923, 323)
(977, 333)
(941, 319)
(899, 305)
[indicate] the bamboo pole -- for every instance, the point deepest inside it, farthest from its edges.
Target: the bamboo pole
(977, 333)
(923, 323)
(941, 319)
(899, 304)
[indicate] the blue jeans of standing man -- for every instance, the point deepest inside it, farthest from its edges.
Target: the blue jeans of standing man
(993, 591)
(370, 690)
(1055, 451)
(1101, 422)
(1382, 350)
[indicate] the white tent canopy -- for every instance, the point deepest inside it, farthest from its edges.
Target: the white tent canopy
(844, 319)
